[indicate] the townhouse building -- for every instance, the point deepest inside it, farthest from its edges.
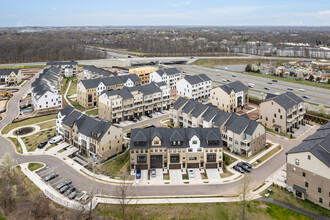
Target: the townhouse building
(168, 75)
(143, 73)
(194, 86)
(282, 113)
(68, 68)
(92, 137)
(308, 168)
(89, 90)
(45, 90)
(131, 102)
(93, 72)
(10, 76)
(176, 148)
(230, 97)
(239, 133)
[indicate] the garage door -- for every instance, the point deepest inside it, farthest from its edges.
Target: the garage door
(156, 161)
(211, 165)
(175, 166)
(141, 167)
(193, 165)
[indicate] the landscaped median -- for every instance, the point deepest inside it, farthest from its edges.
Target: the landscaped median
(31, 142)
(35, 166)
(17, 144)
(267, 156)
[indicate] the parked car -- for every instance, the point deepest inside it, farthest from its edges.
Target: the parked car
(85, 199)
(139, 118)
(274, 80)
(69, 190)
(248, 165)
(63, 183)
(244, 167)
(133, 120)
(157, 113)
(72, 195)
(191, 173)
(80, 195)
(153, 172)
(162, 112)
(149, 115)
(64, 188)
(289, 89)
(42, 144)
(56, 139)
(51, 176)
(238, 168)
(138, 174)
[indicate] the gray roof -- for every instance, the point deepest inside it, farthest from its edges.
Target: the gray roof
(167, 135)
(124, 93)
(168, 71)
(190, 105)
(8, 71)
(237, 86)
(108, 81)
(237, 124)
(195, 79)
(146, 89)
(286, 100)
(55, 63)
(317, 144)
(66, 110)
(71, 118)
(179, 103)
(50, 75)
(99, 71)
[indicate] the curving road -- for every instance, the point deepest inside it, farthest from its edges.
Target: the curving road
(86, 183)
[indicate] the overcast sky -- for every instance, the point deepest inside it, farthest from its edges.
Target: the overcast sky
(15, 13)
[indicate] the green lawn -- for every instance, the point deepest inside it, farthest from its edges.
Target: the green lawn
(17, 144)
(76, 105)
(92, 112)
(227, 158)
(73, 87)
(121, 164)
(238, 61)
(226, 174)
(31, 142)
(268, 155)
(287, 197)
(231, 210)
(48, 124)
(21, 82)
(50, 147)
(21, 67)
(34, 166)
(11, 126)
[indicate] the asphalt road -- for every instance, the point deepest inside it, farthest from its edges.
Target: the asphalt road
(315, 95)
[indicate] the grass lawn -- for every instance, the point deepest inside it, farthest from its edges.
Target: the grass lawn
(48, 124)
(31, 142)
(62, 150)
(185, 177)
(287, 197)
(76, 105)
(238, 61)
(92, 112)
(119, 165)
(166, 177)
(21, 67)
(268, 155)
(204, 175)
(228, 159)
(226, 174)
(73, 87)
(50, 147)
(17, 144)
(255, 210)
(11, 126)
(34, 166)
(21, 82)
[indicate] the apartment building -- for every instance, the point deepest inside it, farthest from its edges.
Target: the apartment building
(168, 75)
(89, 90)
(93, 72)
(308, 168)
(68, 68)
(239, 133)
(282, 113)
(45, 90)
(131, 102)
(143, 73)
(194, 86)
(92, 137)
(177, 148)
(230, 97)
(10, 76)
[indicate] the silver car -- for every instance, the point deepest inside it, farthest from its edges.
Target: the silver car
(153, 172)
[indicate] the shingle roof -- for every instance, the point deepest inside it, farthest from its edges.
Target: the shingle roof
(55, 63)
(71, 118)
(99, 71)
(66, 110)
(109, 81)
(8, 71)
(237, 86)
(286, 100)
(146, 89)
(179, 103)
(195, 79)
(124, 93)
(49, 77)
(168, 71)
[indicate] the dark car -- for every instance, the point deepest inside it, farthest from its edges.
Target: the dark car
(269, 83)
(64, 188)
(305, 96)
(133, 120)
(51, 176)
(63, 183)
(247, 164)
(42, 144)
(139, 118)
(244, 167)
(233, 76)
(72, 195)
(274, 80)
(266, 88)
(289, 88)
(70, 190)
(149, 115)
(138, 174)
(239, 169)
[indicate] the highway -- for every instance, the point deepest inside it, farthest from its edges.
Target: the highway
(315, 95)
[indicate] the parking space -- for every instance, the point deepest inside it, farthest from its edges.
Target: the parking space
(158, 178)
(144, 177)
(213, 175)
(196, 177)
(175, 176)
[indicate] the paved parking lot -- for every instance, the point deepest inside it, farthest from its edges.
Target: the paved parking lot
(213, 175)
(197, 178)
(159, 177)
(175, 176)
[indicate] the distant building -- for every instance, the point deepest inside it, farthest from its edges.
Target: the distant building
(93, 72)
(308, 168)
(230, 97)
(68, 68)
(168, 75)
(194, 86)
(143, 73)
(10, 76)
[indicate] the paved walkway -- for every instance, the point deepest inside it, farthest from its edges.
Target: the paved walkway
(66, 92)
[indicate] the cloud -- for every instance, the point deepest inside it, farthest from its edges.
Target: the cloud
(324, 13)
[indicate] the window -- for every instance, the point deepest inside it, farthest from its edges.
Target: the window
(297, 162)
(281, 117)
(274, 115)
(260, 116)
(309, 157)
(279, 110)
(273, 120)
(266, 118)
(194, 142)
(319, 189)
(320, 200)
(294, 169)
(304, 174)
(156, 142)
(306, 184)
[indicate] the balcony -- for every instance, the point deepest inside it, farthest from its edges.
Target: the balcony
(290, 119)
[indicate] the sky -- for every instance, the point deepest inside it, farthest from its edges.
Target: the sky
(17, 13)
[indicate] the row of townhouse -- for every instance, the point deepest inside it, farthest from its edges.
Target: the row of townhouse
(230, 97)
(88, 90)
(194, 86)
(45, 90)
(308, 168)
(168, 75)
(282, 113)
(10, 76)
(176, 148)
(92, 137)
(239, 133)
(68, 68)
(143, 73)
(93, 72)
(131, 102)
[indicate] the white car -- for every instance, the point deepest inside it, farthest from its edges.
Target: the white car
(56, 139)
(157, 113)
(191, 173)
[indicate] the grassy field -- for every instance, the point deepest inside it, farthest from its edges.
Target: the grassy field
(92, 112)
(287, 197)
(11, 126)
(238, 61)
(268, 155)
(117, 166)
(255, 210)
(226, 174)
(50, 147)
(48, 124)
(228, 159)
(31, 142)
(34, 166)
(21, 67)
(17, 144)
(73, 87)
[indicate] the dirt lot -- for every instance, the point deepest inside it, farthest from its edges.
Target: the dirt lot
(252, 111)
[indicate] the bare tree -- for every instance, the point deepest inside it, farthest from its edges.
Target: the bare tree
(244, 188)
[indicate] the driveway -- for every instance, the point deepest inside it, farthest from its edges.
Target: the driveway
(213, 175)
(158, 179)
(175, 176)
(144, 177)
(197, 178)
